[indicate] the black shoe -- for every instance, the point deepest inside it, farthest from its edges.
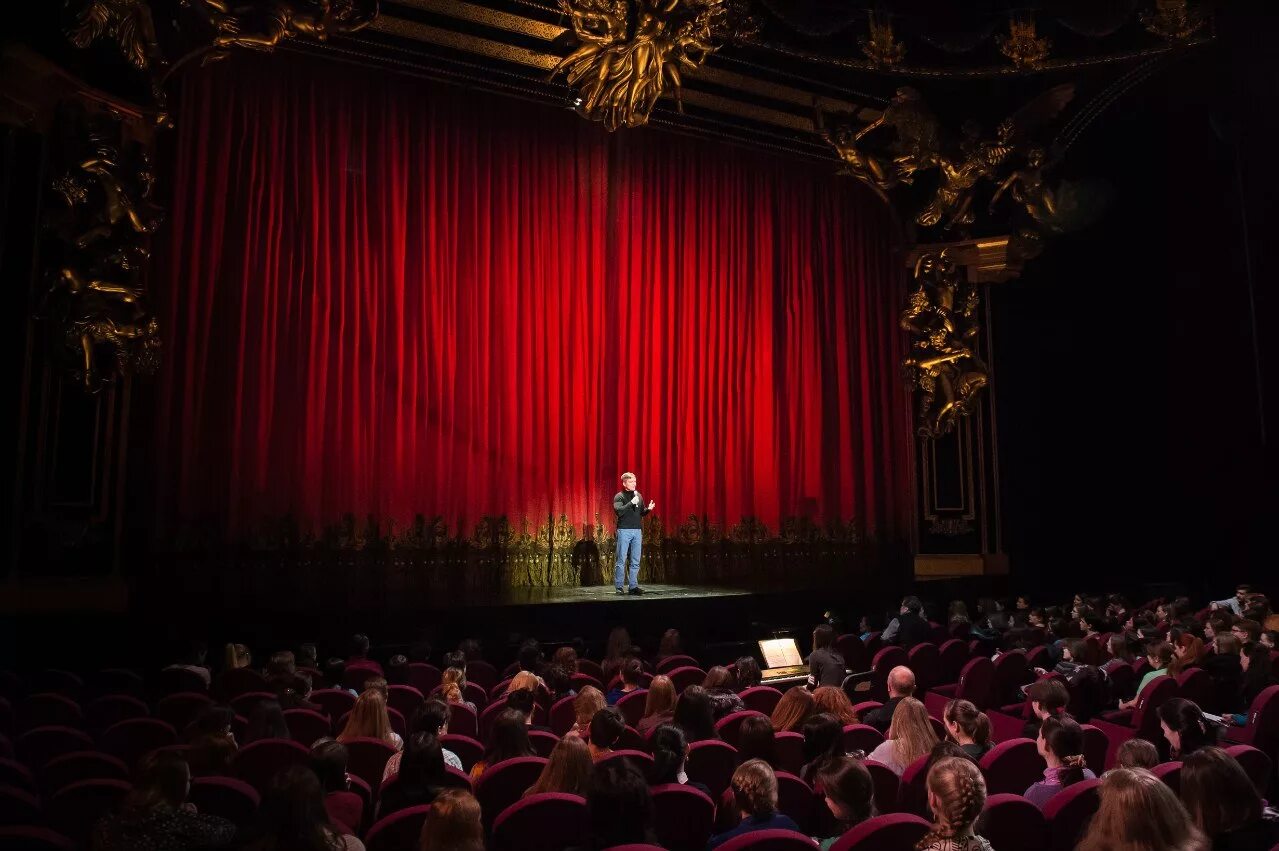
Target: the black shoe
(621, 591)
(637, 590)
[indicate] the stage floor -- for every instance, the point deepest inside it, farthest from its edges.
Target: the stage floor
(606, 594)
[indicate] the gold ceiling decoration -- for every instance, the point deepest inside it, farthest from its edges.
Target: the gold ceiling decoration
(881, 49)
(1174, 20)
(631, 52)
(1022, 45)
(944, 367)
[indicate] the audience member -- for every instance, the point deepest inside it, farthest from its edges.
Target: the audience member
(454, 825)
(693, 715)
(559, 682)
(908, 628)
(795, 708)
(193, 659)
(432, 718)
(659, 705)
(1137, 753)
(720, 686)
(969, 727)
(616, 652)
(747, 673)
(455, 676)
(420, 778)
(1187, 653)
(292, 816)
(1159, 654)
(508, 740)
(369, 719)
(588, 701)
(823, 743)
(156, 815)
(833, 700)
(1184, 727)
(1061, 744)
(568, 770)
(237, 656)
(1257, 674)
(1236, 603)
(360, 654)
(212, 746)
(619, 809)
(530, 657)
(910, 736)
(1221, 800)
(670, 755)
(266, 721)
(606, 728)
(956, 796)
(756, 740)
(669, 646)
(754, 787)
(1139, 812)
(523, 681)
(849, 793)
(630, 681)
(329, 759)
(825, 664)
(901, 685)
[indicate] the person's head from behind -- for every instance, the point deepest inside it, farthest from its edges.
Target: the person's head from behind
(523, 680)
(588, 701)
(849, 792)
(901, 682)
(754, 786)
(1137, 753)
(1117, 646)
(266, 721)
(1139, 811)
(558, 679)
(455, 674)
(568, 770)
(694, 713)
(632, 671)
(670, 750)
(1048, 697)
(1159, 654)
(329, 759)
(397, 670)
(423, 760)
(431, 717)
(281, 664)
(966, 723)
(911, 730)
(1257, 664)
(1061, 744)
(162, 782)
(216, 721)
(618, 806)
(566, 656)
(530, 657)
(795, 707)
(238, 656)
(670, 644)
(832, 700)
(1184, 726)
(375, 683)
(359, 646)
(292, 813)
(619, 643)
(911, 606)
(470, 650)
(660, 697)
(454, 825)
(755, 739)
(606, 728)
(1217, 792)
(718, 678)
(747, 673)
(368, 718)
(823, 738)
(509, 737)
(524, 702)
(1075, 651)
(956, 795)
(823, 636)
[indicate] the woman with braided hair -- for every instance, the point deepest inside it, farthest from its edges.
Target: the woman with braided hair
(1061, 744)
(956, 795)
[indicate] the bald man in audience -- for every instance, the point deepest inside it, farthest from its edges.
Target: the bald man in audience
(901, 685)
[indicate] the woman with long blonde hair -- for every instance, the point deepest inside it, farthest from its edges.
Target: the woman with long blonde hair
(833, 701)
(659, 705)
(956, 795)
(524, 680)
(588, 701)
(370, 720)
(238, 656)
(909, 737)
(795, 707)
(1139, 812)
(454, 823)
(568, 769)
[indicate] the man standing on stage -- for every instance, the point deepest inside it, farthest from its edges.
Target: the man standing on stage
(630, 509)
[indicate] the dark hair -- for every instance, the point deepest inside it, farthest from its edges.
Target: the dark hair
(630, 671)
(618, 805)
(755, 740)
(965, 715)
(607, 727)
(718, 677)
(292, 814)
(420, 651)
(397, 670)
(455, 659)
(847, 782)
(823, 636)
(912, 605)
(1217, 792)
(430, 716)
(694, 714)
(1065, 738)
(359, 645)
(281, 664)
(161, 782)
(215, 719)
(530, 656)
(266, 721)
(522, 700)
(509, 738)
(423, 761)
(470, 650)
(329, 759)
(1159, 649)
(1186, 719)
(1260, 671)
(670, 748)
(1117, 644)
(669, 645)
(559, 680)
(823, 741)
(747, 672)
(1051, 695)
(1078, 651)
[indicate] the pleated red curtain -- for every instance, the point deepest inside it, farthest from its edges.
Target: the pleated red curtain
(389, 297)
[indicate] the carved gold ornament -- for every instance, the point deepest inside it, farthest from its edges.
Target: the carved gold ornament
(1022, 45)
(1174, 20)
(881, 49)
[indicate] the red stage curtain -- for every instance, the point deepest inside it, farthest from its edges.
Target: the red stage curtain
(388, 297)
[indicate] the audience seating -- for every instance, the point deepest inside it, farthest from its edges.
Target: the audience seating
(231, 799)
(305, 726)
(366, 759)
(424, 678)
(1011, 823)
(1012, 766)
(924, 661)
(257, 762)
(730, 726)
(38, 745)
(503, 784)
(891, 832)
(1261, 729)
(31, 838)
(562, 716)
(1255, 763)
(1068, 812)
(336, 702)
(182, 708)
(951, 658)
(1170, 774)
(1011, 673)
(1141, 722)
(19, 806)
(976, 683)
(670, 663)
(1095, 746)
(795, 799)
(244, 704)
(75, 809)
(49, 709)
(17, 775)
(762, 699)
(712, 764)
(110, 709)
(789, 750)
(769, 840)
(62, 771)
(861, 737)
(685, 676)
(912, 790)
(632, 706)
(463, 721)
(543, 742)
(682, 817)
(881, 663)
(886, 784)
(546, 822)
(237, 681)
(404, 699)
(467, 749)
(398, 831)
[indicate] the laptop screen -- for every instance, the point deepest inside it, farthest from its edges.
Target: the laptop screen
(780, 653)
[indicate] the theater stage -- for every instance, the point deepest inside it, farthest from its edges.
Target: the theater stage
(605, 594)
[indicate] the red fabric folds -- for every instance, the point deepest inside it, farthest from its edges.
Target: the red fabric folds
(389, 297)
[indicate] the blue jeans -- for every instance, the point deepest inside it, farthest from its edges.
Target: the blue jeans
(629, 541)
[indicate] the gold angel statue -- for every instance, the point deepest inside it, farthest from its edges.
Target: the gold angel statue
(263, 25)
